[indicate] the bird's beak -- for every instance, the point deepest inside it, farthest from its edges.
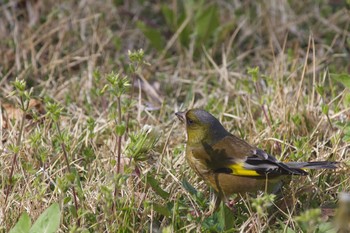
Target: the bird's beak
(181, 116)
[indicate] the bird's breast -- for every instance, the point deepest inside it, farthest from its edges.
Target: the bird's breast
(196, 162)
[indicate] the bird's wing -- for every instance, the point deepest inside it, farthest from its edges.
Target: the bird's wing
(235, 156)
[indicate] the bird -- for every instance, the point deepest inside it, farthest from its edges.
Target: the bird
(231, 165)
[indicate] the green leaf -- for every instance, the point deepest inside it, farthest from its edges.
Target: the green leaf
(156, 188)
(254, 73)
(224, 31)
(161, 209)
(168, 229)
(153, 35)
(189, 188)
(48, 221)
(342, 78)
(325, 109)
(23, 224)
(346, 137)
(347, 99)
(120, 129)
(175, 20)
(78, 184)
(169, 16)
(327, 227)
(185, 35)
(320, 90)
(285, 228)
(206, 22)
(66, 200)
(226, 217)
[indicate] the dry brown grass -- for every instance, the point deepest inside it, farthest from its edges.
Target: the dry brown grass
(61, 48)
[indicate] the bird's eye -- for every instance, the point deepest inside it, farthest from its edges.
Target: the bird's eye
(189, 121)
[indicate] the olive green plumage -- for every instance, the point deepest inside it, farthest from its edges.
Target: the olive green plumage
(228, 163)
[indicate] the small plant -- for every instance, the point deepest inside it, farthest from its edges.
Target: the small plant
(117, 86)
(54, 111)
(311, 221)
(23, 97)
(48, 222)
(261, 203)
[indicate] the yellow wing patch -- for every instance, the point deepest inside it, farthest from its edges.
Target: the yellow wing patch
(239, 170)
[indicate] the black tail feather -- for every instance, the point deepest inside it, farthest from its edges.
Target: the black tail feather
(314, 165)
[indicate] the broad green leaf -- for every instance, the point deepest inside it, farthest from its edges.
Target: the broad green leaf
(342, 78)
(174, 23)
(120, 129)
(156, 188)
(48, 221)
(169, 16)
(206, 22)
(163, 210)
(153, 35)
(23, 224)
(185, 35)
(189, 188)
(327, 227)
(226, 217)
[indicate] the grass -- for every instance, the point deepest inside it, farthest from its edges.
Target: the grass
(88, 96)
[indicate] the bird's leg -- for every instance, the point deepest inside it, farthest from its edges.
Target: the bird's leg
(215, 201)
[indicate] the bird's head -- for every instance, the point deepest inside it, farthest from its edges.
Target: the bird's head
(201, 126)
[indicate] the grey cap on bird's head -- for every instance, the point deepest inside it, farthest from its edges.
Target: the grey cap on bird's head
(217, 131)
(202, 115)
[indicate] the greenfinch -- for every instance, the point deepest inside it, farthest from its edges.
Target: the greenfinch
(231, 165)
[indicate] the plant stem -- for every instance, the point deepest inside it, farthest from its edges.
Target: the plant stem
(63, 146)
(119, 137)
(131, 98)
(119, 145)
(14, 161)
